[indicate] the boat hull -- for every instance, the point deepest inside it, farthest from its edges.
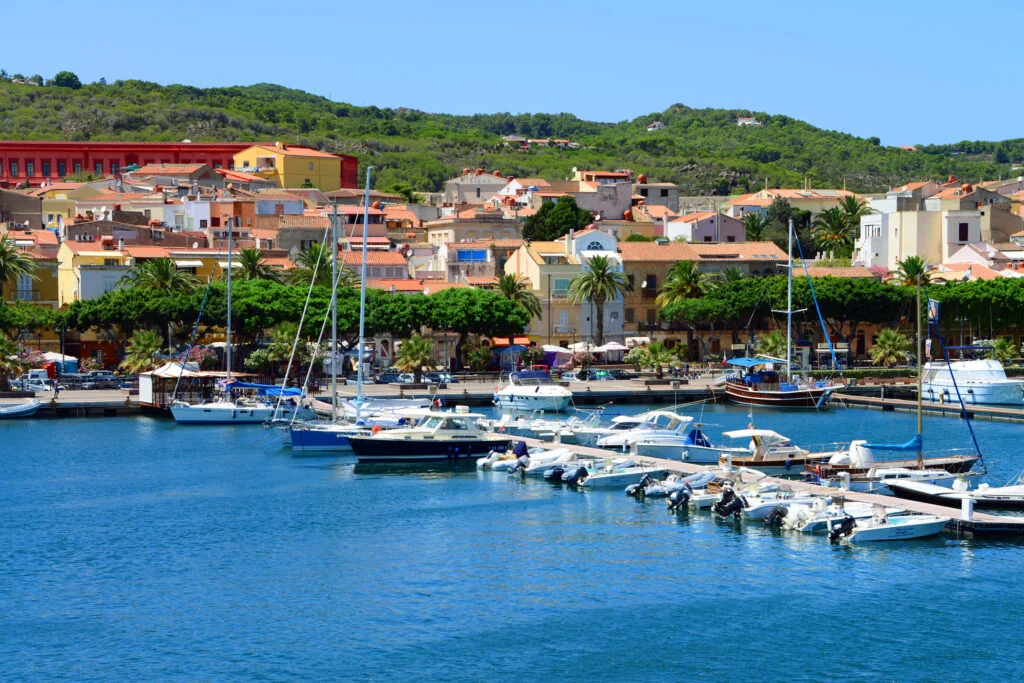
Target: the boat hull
(377, 449)
(737, 392)
(527, 401)
(1007, 393)
(952, 499)
(957, 465)
(13, 412)
(214, 414)
(320, 439)
(899, 529)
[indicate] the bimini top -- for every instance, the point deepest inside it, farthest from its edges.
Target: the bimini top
(754, 362)
(532, 376)
(751, 433)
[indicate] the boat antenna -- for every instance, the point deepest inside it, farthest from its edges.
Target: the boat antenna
(362, 296)
(789, 308)
(227, 347)
(817, 309)
(920, 421)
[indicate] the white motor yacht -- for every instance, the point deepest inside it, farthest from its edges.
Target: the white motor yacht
(981, 381)
(532, 390)
(654, 424)
(440, 436)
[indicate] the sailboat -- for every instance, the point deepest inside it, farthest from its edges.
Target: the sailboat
(858, 462)
(227, 409)
(759, 380)
(360, 416)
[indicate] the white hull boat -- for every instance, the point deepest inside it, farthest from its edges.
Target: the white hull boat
(12, 411)
(981, 382)
(221, 412)
(532, 390)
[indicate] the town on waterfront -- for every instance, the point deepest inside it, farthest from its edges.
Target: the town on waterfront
(297, 388)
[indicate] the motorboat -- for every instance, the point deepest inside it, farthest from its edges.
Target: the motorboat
(980, 381)
(882, 527)
(11, 411)
(677, 446)
(439, 436)
(697, 448)
(532, 390)
(815, 518)
(240, 410)
(1009, 497)
(652, 425)
(619, 473)
(767, 451)
(649, 487)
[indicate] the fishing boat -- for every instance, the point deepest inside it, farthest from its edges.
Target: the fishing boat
(532, 390)
(981, 381)
(759, 380)
(11, 411)
(439, 436)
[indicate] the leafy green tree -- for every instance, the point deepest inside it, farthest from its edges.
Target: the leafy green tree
(598, 282)
(66, 79)
(159, 275)
(637, 357)
(1004, 351)
(756, 226)
(142, 353)
(517, 289)
(476, 356)
(684, 281)
(912, 269)
(11, 364)
(473, 311)
(853, 208)
(772, 344)
(252, 265)
(637, 237)
(19, 318)
(555, 219)
(890, 348)
(413, 355)
(14, 263)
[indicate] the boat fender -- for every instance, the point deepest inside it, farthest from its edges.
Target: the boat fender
(376, 429)
(789, 464)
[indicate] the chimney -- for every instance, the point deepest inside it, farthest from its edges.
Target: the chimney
(120, 244)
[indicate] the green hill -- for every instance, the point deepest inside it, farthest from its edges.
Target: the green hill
(701, 149)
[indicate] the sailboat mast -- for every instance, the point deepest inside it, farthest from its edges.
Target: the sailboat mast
(920, 455)
(227, 347)
(362, 292)
(334, 314)
(789, 308)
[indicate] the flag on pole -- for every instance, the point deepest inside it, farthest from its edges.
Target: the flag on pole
(933, 312)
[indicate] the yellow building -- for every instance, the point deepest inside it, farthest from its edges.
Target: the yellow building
(87, 270)
(41, 286)
(291, 166)
(549, 267)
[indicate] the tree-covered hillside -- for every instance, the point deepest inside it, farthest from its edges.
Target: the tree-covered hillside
(701, 149)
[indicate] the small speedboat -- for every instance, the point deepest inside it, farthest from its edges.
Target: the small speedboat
(815, 518)
(649, 487)
(619, 473)
(882, 527)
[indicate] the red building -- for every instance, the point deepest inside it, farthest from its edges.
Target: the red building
(36, 161)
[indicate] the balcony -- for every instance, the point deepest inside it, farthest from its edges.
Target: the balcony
(27, 295)
(559, 293)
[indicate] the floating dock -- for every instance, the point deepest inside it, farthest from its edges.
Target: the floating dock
(979, 525)
(974, 412)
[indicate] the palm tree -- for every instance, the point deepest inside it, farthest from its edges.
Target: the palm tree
(518, 289)
(756, 226)
(891, 347)
(658, 356)
(252, 265)
(142, 351)
(14, 263)
(1003, 350)
(772, 344)
(853, 208)
(11, 364)
(684, 281)
(831, 231)
(598, 283)
(912, 269)
(347, 278)
(159, 275)
(726, 275)
(414, 353)
(316, 258)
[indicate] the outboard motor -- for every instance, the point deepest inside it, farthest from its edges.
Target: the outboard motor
(640, 489)
(554, 474)
(680, 498)
(520, 465)
(730, 504)
(841, 529)
(574, 475)
(775, 518)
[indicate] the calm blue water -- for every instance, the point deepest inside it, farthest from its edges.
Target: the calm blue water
(134, 549)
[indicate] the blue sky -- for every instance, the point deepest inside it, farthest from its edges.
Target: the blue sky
(907, 72)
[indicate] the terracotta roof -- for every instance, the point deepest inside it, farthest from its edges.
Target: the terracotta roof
(956, 271)
(375, 258)
(748, 200)
(169, 169)
(396, 214)
(815, 271)
(658, 211)
(284, 222)
(264, 233)
(952, 193)
(477, 280)
(538, 249)
(346, 210)
(139, 251)
(231, 175)
(654, 252)
(293, 151)
(277, 195)
(348, 192)
(411, 286)
(909, 187)
(693, 217)
(79, 247)
(740, 251)
(38, 237)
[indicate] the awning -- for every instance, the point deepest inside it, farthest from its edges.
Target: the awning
(754, 362)
(504, 341)
(234, 264)
(187, 263)
(637, 341)
(611, 346)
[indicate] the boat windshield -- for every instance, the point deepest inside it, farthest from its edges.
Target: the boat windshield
(532, 378)
(430, 422)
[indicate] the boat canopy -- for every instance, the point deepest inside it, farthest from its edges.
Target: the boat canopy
(751, 433)
(531, 375)
(754, 362)
(267, 389)
(912, 445)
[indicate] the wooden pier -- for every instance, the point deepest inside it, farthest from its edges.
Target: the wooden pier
(974, 412)
(979, 525)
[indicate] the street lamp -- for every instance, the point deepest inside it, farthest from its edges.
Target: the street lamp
(639, 323)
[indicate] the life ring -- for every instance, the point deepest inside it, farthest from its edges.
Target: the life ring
(376, 429)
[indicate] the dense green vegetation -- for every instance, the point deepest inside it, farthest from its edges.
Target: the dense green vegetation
(701, 149)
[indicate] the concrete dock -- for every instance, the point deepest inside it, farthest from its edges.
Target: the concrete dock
(974, 412)
(980, 524)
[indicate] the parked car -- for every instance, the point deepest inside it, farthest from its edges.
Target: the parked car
(387, 378)
(439, 377)
(595, 376)
(569, 376)
(101, 379)
(622, 374)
